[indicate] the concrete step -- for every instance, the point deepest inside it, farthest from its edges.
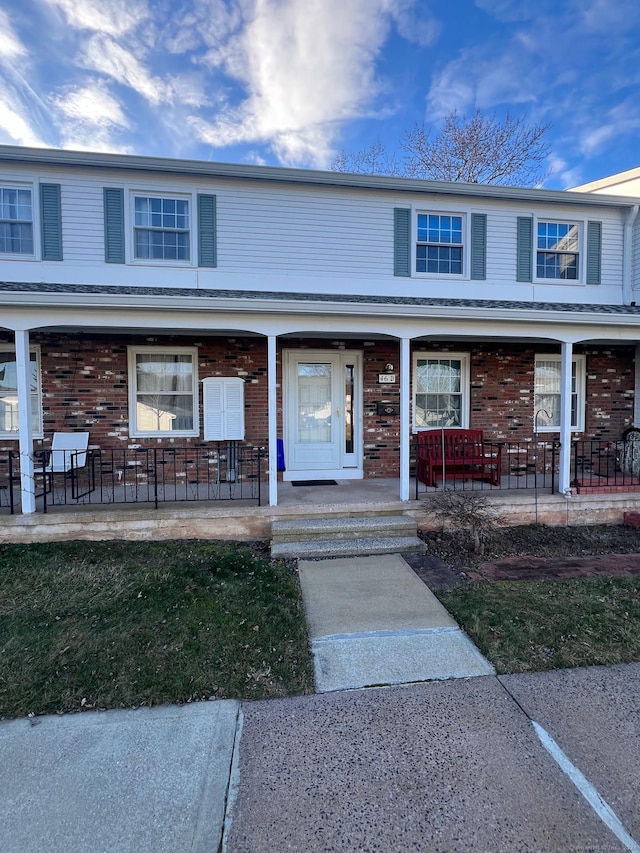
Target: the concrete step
(342, 527)
(347, 547)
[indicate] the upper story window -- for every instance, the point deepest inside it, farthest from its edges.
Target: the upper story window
(163, 391)
(440, 390)
(16, 221)
(161, 228)
(558, 250)
(439, 244)
(9, 393)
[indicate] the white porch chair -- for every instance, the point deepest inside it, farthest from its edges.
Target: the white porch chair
(67, 456)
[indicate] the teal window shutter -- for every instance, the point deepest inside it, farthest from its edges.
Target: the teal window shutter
(113, 225)
(478, 246)
(402, 241)
(524, 271)
(207, 249)
(594, 252)
(51, 222)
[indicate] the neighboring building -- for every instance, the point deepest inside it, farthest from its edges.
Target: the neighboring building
(623, 184)
(153, 302)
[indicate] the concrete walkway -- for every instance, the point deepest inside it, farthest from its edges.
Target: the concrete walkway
(373, 622)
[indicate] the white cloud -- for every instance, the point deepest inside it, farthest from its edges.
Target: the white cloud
(561, 172)
(601, 16)
(204, 22)
(106, 56)
(91, 104)
(16, 124)
(11, 47)
(307, 66)
(621, 119)
(111, 17)
(483, 77)
(89, 117)
(189, 90)
(415, 23)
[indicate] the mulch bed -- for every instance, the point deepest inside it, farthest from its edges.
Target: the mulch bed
(437, 574)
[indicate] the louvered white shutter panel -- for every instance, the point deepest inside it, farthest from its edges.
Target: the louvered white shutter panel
(213, 407)
(234, 410)
(223, 405)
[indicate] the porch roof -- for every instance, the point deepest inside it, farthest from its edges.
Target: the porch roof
(33, 293)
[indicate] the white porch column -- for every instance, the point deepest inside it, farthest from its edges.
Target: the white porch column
(564, 480)
(636, 396)
(272, 405)
(405, 386)
(25, 429)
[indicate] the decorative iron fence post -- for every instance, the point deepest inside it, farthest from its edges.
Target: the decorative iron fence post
(155, 477)
(11, 504)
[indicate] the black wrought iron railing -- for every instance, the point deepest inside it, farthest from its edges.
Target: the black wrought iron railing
(493, 466)
(224, 471)
(8, 466)
(599, 465)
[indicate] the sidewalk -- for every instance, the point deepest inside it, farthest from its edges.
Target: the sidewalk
(443, 767)
(149, 779)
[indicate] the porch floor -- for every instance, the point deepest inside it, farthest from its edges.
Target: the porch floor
(383, 491)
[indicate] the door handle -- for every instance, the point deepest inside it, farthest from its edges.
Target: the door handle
(337, 413)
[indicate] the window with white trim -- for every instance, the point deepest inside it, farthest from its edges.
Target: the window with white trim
(558, 250)
(439, 243)
(163, 391)
(9, 393)
(161, 228)
(546, 398)
(16, 221)
(440, 390)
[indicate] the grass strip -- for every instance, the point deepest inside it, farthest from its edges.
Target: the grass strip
(122, 624)
(524, 626)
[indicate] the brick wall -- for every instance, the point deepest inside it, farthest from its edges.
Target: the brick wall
(85, 382)
(502, 398)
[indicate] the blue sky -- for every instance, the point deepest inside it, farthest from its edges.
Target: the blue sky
(292, 82)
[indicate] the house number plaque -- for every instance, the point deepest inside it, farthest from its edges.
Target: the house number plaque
(386, 378)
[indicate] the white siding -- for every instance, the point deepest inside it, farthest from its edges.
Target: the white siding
(314, 239)
(635, 262)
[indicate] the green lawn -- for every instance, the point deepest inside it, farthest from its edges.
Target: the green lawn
(120, 624)
(534, 625)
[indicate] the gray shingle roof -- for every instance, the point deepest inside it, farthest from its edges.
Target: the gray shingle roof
(340, 298)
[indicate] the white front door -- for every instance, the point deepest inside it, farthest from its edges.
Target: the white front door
(322, 414)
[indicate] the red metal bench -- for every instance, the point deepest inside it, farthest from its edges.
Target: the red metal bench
(466, 456)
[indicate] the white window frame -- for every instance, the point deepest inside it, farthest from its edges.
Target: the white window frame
(580, 364)
(36, 399)
(131, 227)
(23, 185)
(465, 245)
(539, 220)
(465, 386)
(134, 431)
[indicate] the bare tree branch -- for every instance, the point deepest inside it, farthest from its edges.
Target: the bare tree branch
(374, 160)
(481, 150)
